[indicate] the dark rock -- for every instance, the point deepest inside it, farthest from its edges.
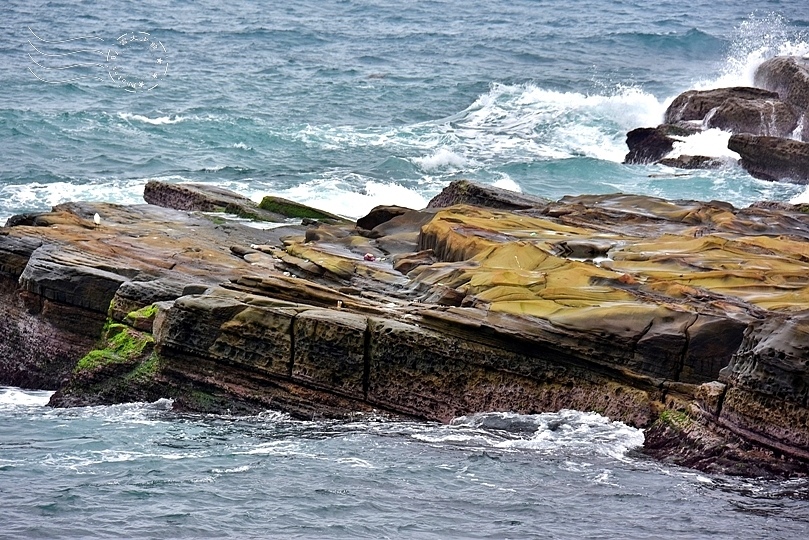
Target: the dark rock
(696, 104)
(15, 253)
(648, 145)
(772, 158)
(23, 219)
(330, 351)
(138, 294)
(75, 278)
(771, 366)
(379, 215)
(205, 198)
(693, 162)
(465, 192)
(789, 77)
(770, 117)
(292, 209)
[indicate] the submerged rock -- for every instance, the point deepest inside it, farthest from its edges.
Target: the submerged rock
(693, 162)
(631, 306)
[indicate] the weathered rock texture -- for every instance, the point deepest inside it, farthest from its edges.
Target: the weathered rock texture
(685, 318)
(769, 124)
(772, 158)
(789, 77)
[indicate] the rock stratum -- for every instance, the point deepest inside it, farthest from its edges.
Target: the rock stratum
(683, 318)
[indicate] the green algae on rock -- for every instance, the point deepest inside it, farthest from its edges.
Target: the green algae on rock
(681, 317)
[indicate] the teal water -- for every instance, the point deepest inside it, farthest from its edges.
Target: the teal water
(141, 471)
(346, 105)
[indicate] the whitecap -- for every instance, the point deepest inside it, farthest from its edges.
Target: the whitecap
(350, 194)
(801, 198)
(524, 123)
(17, 397)
(575, 431)
(755, 40)
(356, 462)
(711, 142)
(505, 182)
(243, 468)
(443, 158)
(158, 121)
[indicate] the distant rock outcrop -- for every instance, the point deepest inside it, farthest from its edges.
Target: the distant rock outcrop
(772, 117)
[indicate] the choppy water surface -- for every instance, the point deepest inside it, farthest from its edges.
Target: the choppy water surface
(348, 104)
(142, 471)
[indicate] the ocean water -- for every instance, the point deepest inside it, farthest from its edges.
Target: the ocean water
(345, 105)
(142, 471)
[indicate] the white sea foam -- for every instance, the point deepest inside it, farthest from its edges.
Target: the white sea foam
(801, 198)
(551, 432)
(350, 194)
(712, 142)
(756, 39)
(505, 182)
(15, 397)
(356, 462)
(43, 196)
(158, 121)
(522, 123)
(243, 468)
(443, 158)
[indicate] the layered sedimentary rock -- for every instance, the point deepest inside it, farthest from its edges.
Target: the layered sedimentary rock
(684, 318)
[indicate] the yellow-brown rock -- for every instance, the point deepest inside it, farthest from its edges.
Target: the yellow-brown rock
(622, 304)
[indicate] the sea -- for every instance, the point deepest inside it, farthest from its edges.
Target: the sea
(345, 105)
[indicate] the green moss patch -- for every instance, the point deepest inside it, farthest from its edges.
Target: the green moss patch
(119, 344)
(675, 419)
(146, 370)
(142, 318)
(292, 209)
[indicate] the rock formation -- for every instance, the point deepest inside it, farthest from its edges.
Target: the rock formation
(772, 158)
(768, 123)
(687, 319)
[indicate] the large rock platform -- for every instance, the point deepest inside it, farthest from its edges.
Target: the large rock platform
(686, 319)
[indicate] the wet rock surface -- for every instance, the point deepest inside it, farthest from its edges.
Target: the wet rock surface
(684, 318)
(772, 158)
(768, 123)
